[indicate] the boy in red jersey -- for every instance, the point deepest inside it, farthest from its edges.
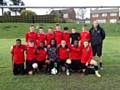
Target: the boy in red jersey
(18, 58)
(31, 35)
(75, 55)
(49, 35)
(58, 34)
(87, 58)
(85, 34)
(41, 37)
(63, 54)
(66, 35)
(41, 55)
(30, 56)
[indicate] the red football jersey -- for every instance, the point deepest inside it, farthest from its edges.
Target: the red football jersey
(63, 53)
(30, 53)
(18, 54)
(86, 54)
(85, 36)
(49, 37)
(66, 37)
(41, 38)
(58, 36)
(41, 54)
(31, 36)
(75, 53)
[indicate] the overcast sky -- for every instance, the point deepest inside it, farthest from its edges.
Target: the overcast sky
(62, 3)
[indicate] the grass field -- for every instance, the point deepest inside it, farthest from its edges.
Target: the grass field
(110, 75)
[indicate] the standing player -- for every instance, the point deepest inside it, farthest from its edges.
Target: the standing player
(49, 35)
(58, 34)
(31, 35)
(97, 37)
(66, 35)
(18, 58)
(87, 58)
(85, 34)
(41, 55)
(74, 36)
(41, 36)
(30, 57)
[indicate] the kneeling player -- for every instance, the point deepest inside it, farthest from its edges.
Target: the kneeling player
(52, 57)
(17, 52)
(31, 63)
(63, 54)
(86, 59)
(41, 55)
(75, 56)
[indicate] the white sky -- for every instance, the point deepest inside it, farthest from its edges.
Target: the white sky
(50, 3)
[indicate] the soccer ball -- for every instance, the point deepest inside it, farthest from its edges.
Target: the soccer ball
(54, 71)
(68, 61)
(35, 65)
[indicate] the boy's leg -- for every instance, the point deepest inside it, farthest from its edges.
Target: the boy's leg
(99, 54)
(93, 62)
(15, 69)
(22, 70)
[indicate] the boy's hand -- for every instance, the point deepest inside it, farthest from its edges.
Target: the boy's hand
(86, 64)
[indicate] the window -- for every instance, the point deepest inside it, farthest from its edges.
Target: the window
(104, 14)
(95, 15)
(65, 15)
(113, 14)
(101, 21)
(113, 20)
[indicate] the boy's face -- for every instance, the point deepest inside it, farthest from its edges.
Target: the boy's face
(41, 30)
(76, 43)
(63, 43)
(32, 28)
(18, 43)
(49, 30)
(42, 44)
(85, 44)
(73, 30)
(31, 44)
(84, 28)
(58, 28)
(52, 42)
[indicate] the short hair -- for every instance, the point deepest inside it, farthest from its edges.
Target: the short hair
(57, 24)
(41, 27)
(73, 27)
(85, 25)
(32, 25)
(18, 39)
(65, 28)
(31, 41)
(50, 27)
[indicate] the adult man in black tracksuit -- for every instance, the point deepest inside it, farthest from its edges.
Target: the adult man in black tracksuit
(97, 37)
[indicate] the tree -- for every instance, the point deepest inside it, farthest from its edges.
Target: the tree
(17, 3)
(81, 13)
(27, 13)
(3, 3)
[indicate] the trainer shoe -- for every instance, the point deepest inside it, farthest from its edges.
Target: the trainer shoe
(97, 74)
(68, 72)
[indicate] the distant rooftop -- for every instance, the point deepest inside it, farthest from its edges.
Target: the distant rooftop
(104, 11)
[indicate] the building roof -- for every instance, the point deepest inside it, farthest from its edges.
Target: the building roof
(104, 11)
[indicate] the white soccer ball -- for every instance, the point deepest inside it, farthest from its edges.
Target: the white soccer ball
(54, 71)
(68, 61)
(35, 65)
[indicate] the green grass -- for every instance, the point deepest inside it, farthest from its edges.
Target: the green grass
(17, 30)
(110, 75)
